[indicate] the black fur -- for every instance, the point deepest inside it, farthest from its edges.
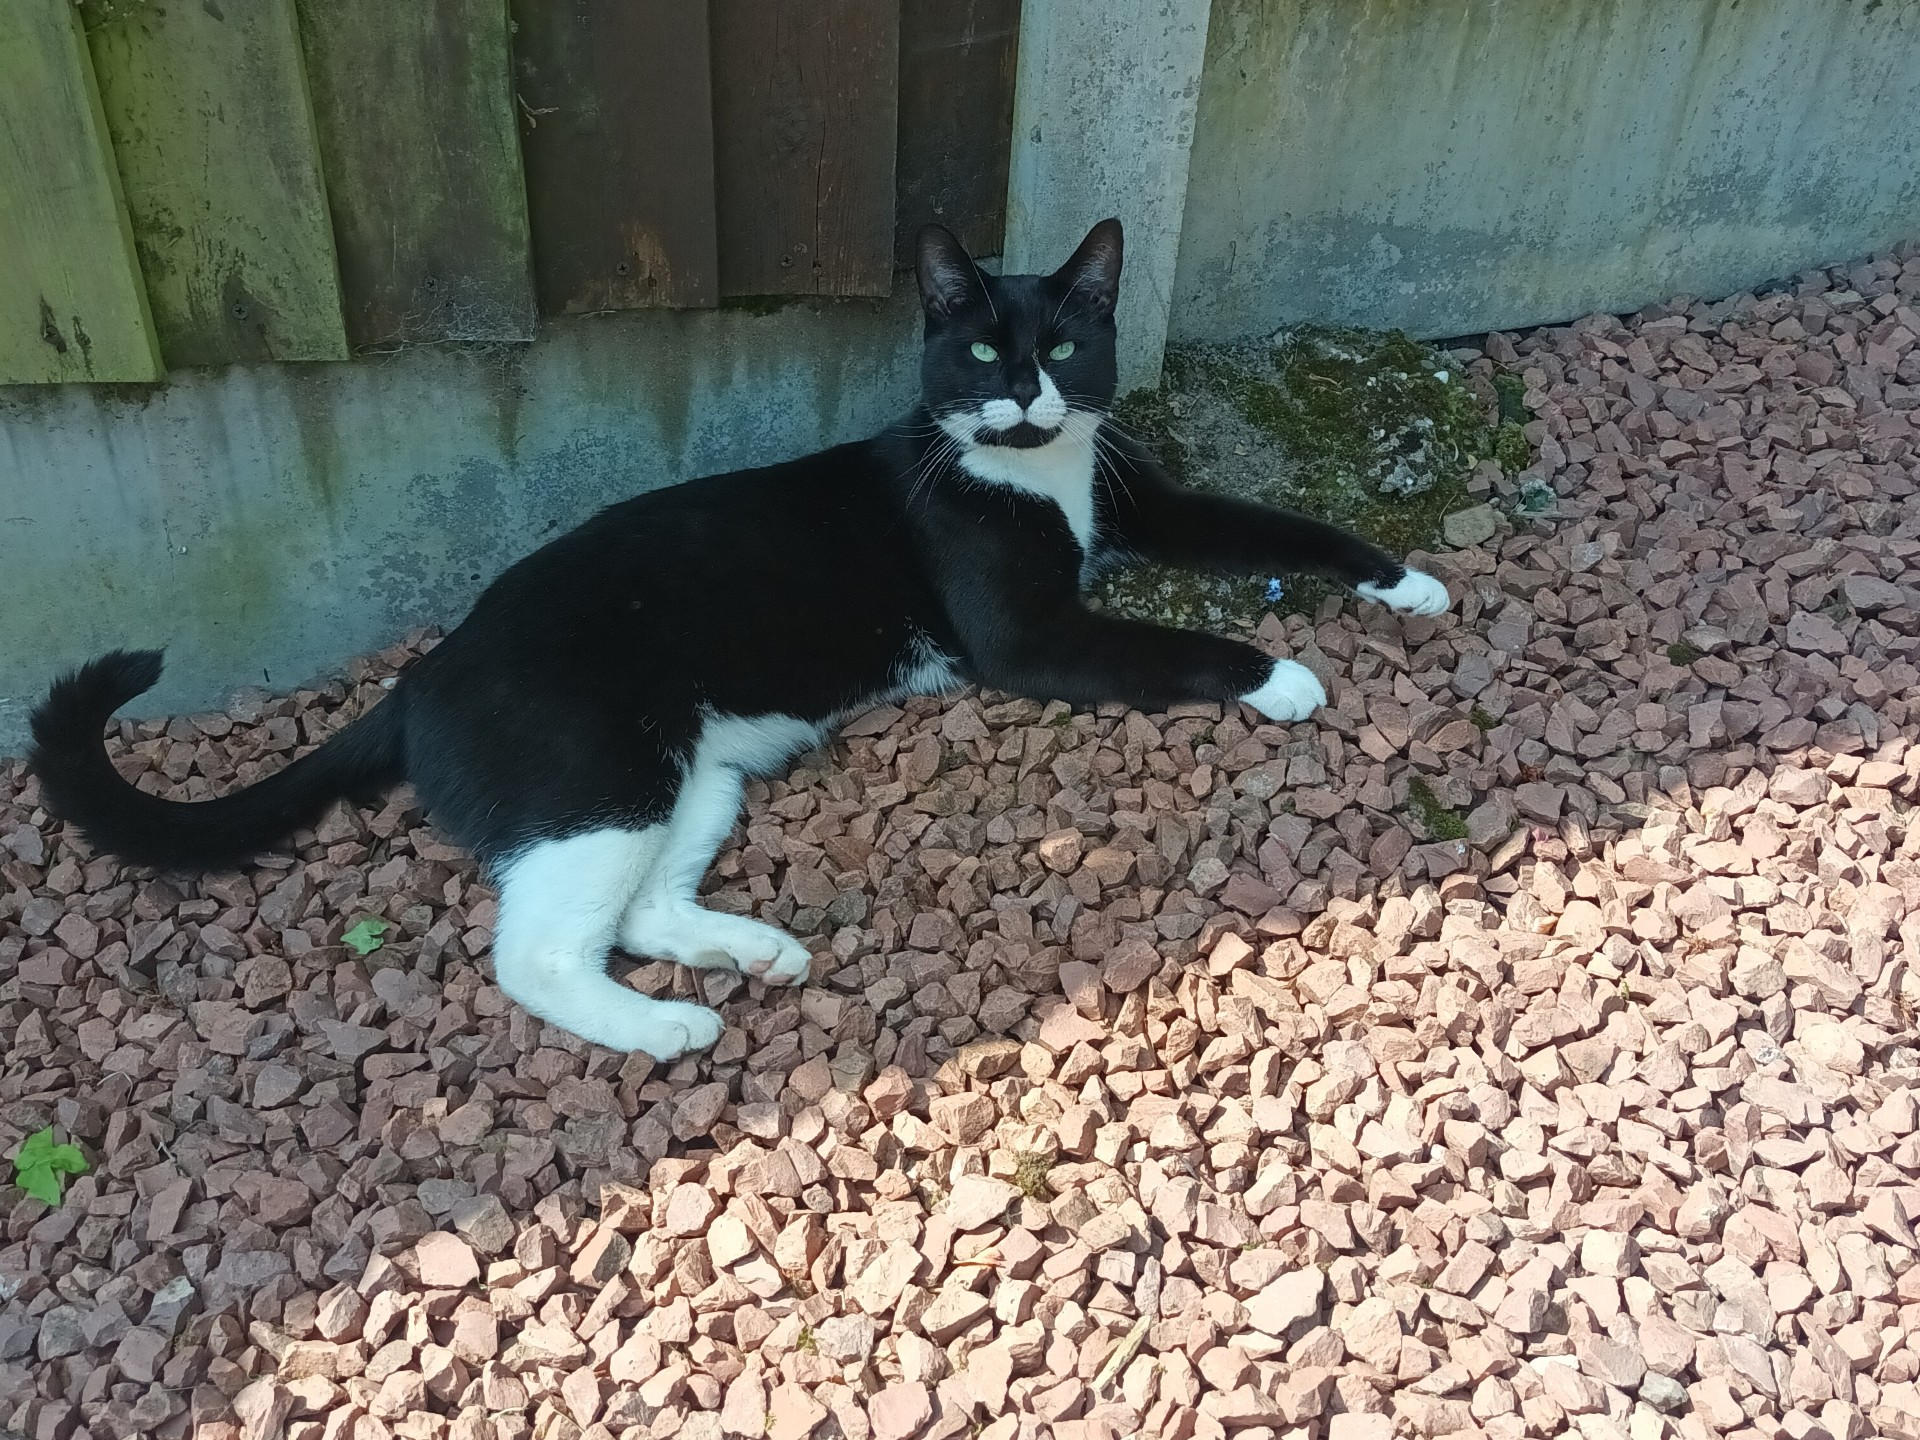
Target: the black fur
(572, 695)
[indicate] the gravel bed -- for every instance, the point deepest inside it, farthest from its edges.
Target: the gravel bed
(1525, 1046)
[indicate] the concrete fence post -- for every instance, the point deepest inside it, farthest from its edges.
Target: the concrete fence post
(1104, 100)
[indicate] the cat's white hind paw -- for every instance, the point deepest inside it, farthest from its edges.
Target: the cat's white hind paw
(712, 940)
(665, 1029)
(762, 951)
(1292, 692)
(1416, 593)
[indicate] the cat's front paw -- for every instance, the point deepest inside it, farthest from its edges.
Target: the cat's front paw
(1292, 692)
(1415, 593)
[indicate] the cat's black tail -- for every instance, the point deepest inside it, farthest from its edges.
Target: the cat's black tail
(79, 783)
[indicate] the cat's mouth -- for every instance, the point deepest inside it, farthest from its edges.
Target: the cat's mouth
(1024, 436)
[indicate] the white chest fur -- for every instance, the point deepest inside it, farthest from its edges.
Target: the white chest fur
(1060, 471)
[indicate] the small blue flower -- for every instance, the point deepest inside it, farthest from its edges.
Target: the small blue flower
(1274, 591)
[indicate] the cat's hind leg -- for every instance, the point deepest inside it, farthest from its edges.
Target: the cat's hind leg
(665, 919)
(560, 907)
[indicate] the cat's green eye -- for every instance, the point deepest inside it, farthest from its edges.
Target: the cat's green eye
(1061, 351)
(984, 352)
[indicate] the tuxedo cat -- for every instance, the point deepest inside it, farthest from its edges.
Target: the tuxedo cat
(587, 730)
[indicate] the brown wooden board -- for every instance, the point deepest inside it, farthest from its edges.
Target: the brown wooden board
(804, 105)
(956, 120)
(213, 135)
(616, 123)
(414, 105)
(72, 306)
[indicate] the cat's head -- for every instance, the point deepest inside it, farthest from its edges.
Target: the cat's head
(1016, 359)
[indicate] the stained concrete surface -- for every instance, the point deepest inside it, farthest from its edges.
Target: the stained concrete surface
(1453, 166)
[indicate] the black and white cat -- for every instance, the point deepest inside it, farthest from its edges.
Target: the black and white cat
(588, 729)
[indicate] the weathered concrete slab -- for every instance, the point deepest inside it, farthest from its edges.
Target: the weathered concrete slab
(1450, 168)
(1103, 114)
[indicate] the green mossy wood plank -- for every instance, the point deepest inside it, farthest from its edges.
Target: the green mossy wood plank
(956, 120)
(414, 106)
(616, 123)
(805, 99)
(206, 101)
(71, 303)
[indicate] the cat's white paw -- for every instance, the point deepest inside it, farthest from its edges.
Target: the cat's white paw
(1292, 692)
(1417, 593)
(666, 1029)
(712, 940)
(760, 950)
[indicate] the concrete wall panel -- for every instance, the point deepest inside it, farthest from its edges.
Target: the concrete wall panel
(1451, 166)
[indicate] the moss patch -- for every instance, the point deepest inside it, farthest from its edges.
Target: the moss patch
(1510, 448)
(1436, 819)
(1030, 1171)
(1374, 432)
(1512, 391)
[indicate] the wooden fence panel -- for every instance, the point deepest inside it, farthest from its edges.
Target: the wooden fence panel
(956, 119)
(207, 106)
(71, 303)
(805, 112)
(414, 107)
(617, 129)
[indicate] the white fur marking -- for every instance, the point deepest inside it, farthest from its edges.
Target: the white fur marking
(752, 744)
(1417, 593)
(663, 918)
(560, 904)
(1001, 414)
(924, 670)
(1049, 407)
(1291, 692)
(1060, 470)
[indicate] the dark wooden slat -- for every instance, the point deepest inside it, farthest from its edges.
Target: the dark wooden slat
(956, 119)
(617, 131)
(805, 118)
(414, 107)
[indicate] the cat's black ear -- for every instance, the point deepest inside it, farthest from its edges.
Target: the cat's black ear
(948, 279)
(1092, 276)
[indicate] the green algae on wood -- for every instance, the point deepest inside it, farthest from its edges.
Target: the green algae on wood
(214, 139)
(72, 306)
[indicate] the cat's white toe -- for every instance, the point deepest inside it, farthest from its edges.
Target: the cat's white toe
(1292, 692)
(1416, 593)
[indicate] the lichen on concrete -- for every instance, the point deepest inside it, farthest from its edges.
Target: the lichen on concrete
(1370, 430)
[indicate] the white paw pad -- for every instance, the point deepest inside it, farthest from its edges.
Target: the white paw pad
(1292, 692)
(1416, 592)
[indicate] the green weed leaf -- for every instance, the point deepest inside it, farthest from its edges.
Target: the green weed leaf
(39, 1164)
(367, 936)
